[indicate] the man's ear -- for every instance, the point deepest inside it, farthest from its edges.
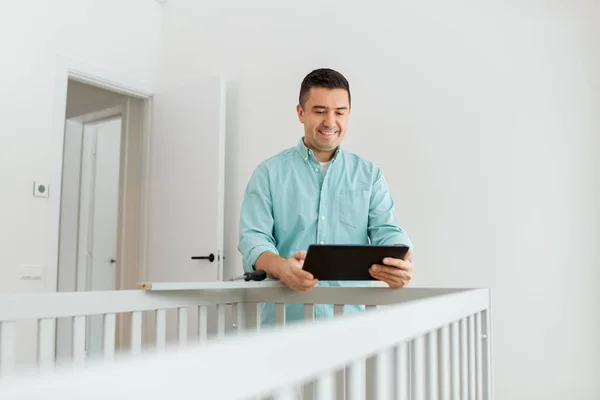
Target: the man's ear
(300, 112)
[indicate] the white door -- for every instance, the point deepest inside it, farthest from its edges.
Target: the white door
(186, 183)
(99, 212)
(69, 231)
(89, 220)
(99, 216)
(105, 216)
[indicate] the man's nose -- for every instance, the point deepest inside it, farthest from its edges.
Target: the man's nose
(330, 120)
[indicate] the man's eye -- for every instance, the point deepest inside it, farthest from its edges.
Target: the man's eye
(320, 112)
(340, 113)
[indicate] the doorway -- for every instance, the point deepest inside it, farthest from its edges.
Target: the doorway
(171, 187)
(90, 205)
(100, 208)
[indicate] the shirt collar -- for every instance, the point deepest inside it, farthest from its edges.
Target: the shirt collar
(305, 152)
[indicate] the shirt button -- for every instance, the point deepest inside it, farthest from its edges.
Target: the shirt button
(321, 242)
(323, 217)
(316, 169)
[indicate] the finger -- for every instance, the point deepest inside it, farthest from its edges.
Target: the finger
(302, 280)
(310, 284)
(300, 255)
(297, 263)
(303, 275)
(305, 285)
(398, 263)
(408, 256)
(392, 272)
(393, 282)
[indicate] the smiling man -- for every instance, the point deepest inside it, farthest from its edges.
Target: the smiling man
(317, 193)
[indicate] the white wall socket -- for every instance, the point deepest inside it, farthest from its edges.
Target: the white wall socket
(40, 189)
(32, 272)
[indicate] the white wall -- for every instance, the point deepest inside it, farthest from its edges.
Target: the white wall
(484, 120)
(120, 36)
(116, 35)
(32, 34)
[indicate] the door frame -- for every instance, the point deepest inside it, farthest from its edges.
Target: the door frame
(70, 69)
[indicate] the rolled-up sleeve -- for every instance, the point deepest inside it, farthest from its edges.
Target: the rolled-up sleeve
(256, 219)
(383, 226)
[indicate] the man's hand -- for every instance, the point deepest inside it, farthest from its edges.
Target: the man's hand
(289, 272)
(395, 272)
(293, 276)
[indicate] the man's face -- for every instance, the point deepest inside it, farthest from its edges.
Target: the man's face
(325, 118)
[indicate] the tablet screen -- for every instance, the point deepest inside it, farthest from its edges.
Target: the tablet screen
(347, 262)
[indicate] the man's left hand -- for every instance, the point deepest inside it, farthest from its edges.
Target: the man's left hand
(394, 271)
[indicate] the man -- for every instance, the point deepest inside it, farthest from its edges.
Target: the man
(316, 192)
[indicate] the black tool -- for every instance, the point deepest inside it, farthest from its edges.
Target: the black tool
(258, 275)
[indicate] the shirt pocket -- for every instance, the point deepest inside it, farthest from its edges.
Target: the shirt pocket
(354, 207)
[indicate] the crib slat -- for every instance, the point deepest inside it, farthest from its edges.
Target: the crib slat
(8, 342)
(240, 312)
(401, 383)
(202, 323)
(444, 362)
(478, 358)
(369, 364)
(464, 371)
(355, 382)
(79, 327)
(325, 386)
(110, 328)
(309, 389)
(340, 384)
(486, 355)
(382, 376)
(136, 332)
(220, 320)
(338, 310)
(46, 343)
(471, 336)
(280, 314)
(418, 388)
(431, 364)
(309, 312)
(340, 376)
(455, 360)
(258, 316)
(182, 325)
(161, 329)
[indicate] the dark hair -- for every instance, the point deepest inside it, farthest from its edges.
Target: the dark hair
(323, 77)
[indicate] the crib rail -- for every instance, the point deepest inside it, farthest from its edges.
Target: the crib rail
(100, 310)
(411, 344)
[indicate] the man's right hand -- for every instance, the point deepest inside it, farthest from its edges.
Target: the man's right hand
(289, 272)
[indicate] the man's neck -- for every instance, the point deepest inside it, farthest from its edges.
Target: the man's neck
(322, 156)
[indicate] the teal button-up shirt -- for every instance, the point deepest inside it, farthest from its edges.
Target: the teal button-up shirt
(289, 204)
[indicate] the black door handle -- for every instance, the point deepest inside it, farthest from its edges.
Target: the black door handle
(210, 257)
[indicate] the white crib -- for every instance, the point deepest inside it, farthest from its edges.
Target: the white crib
(202, 341)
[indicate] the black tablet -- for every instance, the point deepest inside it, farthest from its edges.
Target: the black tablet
(347, 262)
